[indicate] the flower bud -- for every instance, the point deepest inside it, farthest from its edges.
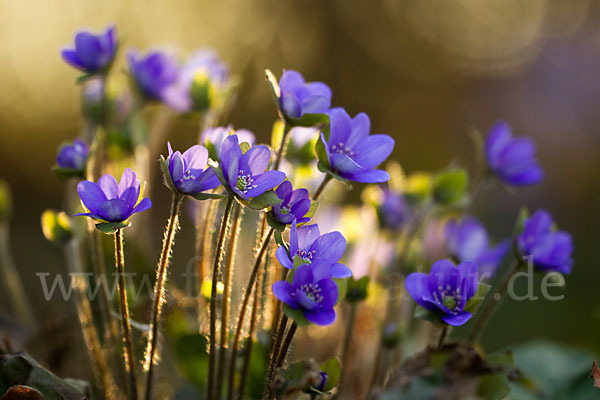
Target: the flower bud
(56, 226)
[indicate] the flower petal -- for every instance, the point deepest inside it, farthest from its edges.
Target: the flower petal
(498, 138)
(282, 290)
(70, 56)
(91, 195)
(469, 272)
(265, 181)
(290, 105)
(195, 157)
(256, 160)
(368, 176)
(114, 210)
(340, 126)
(109, 186)
(329, 247)
(320, 317)
(339, 270)
(315, 104)
(283, 258)
(230, 156)
(284, 190)
(417, 286)
(143, 205)
(361, 126)
(373, 150)
(458, 319)
(128, 179)
(306, 236)
(329, 291)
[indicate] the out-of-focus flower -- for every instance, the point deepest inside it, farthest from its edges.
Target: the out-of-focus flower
(549, 248)
(109, 201)
(72, 156)
(188, 171)
(468, 240)
(92, 53)
(351, 152)
(511, 159)
(298, 97)
(309, 247)
(245, 173)
(446, 289)
(312, 292)
(393, 212)
(213, 139)
(156, 76)
(56, 227)
(294, 204)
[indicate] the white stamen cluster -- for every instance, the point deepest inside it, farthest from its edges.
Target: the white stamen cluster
(341, 148)
(306, 256)
(187, 175)
(312, 291)
(448, 297)
(244, 182)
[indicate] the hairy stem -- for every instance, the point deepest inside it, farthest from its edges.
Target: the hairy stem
(490, 305)
(282, 146)
(226, 299)
(213, 299)
(159, 291)
(243, 309)
(275, 351)
(346, 348)
(321, 187)
(282, 354)
(128, 355)
(84, 312)
(203, 255)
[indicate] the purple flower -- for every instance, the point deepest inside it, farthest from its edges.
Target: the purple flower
(549, 248)
(213, 139)
(309, 247)
(245, 173)
(467, 240)
(208, 63)
(310, 291)
(108, 201)
(298, 98)
(446, 289)
(156, 75)
(92, 53)
(393, 212)
(189, 172)
(73, 156)
(351, 152)
(294, 204)
(512, 159)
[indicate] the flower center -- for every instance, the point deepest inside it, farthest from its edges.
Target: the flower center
(312, 291)
(187, 175)
(306, 256)
(449, 298)
(285, 210)
(244, 182)
(341, 148)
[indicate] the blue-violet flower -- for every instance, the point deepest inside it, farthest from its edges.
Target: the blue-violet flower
(189, 172)
(73, 156)
(156, 76)
(213, 138)
(92, 53)
(294, 204)
(298, 98)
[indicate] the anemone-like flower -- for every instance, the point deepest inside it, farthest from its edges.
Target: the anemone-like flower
(294, 204)
(310, 291)
(351, 152)
(213, 138)
(549, 248)
(512, 159)
(298, 97)
(156, 76)
(246, 173)
(73, 156)
(446, 289)
(393, 212)
(468, 240)
(109, 201)
(309, 247)
(189, 171)
(92, 53)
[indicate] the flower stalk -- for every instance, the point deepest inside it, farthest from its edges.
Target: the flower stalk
(346, 348)
(128, 355)
(211, 392)
(160, 291)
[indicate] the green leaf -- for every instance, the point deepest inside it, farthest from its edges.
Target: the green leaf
(521, 218)
(273, 223)
(321, 152)
(111, 227)
(357, 289)
(309, 120)
(342, 285)
(295, 315)
(429, 315)
(274, 84)
(219, 173)
(449, 187)
(164, 166)
(475, 301)
(279, 240)
(493, 386)
(267, 199)
(209, 196)
(66, 173)
(333, 370)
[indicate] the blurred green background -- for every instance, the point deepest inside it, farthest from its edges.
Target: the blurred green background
(427, 72)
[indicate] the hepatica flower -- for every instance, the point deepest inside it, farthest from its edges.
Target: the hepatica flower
(512, 159)
(298, 97)
(246, 173)
(189, 171)
(445, 290)
(294, 204)
(213, 139)
(92, 53)
(109, 201)
(393, 212)
(311, 292)
(72, 156)
(351, 152)
(155, 76)
(309, 247)
(549, 248)
(468, 240)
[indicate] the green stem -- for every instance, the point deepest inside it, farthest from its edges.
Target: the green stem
(213, 299)
(159, 292)
(443, 335)
(84, 312)
(226, 300)
(275, 351)
(128, 354)
(321, 187)
(281, 151)
(283, 354)
(490, 305)
(244, 307)
(203, 257)
(346, 348)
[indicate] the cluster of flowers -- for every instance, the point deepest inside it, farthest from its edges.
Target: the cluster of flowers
(228, 164)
